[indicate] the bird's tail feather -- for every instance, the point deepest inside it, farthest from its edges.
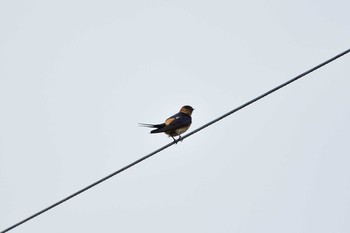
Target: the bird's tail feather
(151, 125)
(146, 125)
(158, 127)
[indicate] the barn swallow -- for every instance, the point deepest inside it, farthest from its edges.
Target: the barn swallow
(174, 125)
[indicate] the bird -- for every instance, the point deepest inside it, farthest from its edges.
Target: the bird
(174, 125)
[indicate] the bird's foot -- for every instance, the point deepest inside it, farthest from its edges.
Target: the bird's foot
(174, 140)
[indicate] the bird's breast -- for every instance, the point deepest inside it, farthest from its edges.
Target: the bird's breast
(178, 131)
(181, 130)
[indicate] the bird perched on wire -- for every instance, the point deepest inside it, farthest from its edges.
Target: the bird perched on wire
(174, 125)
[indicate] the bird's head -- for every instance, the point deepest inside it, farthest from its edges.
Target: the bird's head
(187, 110)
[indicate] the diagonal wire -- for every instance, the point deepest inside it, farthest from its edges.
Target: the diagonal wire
(174, 142)
(267, 93)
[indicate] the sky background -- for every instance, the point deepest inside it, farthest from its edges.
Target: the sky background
(77, 76)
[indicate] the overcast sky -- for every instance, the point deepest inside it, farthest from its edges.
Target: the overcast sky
(77, 76)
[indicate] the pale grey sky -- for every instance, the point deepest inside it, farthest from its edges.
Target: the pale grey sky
(77, 76)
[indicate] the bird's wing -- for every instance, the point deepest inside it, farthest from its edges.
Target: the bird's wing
(175, 122)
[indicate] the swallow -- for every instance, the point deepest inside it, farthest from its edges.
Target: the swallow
(174, 125)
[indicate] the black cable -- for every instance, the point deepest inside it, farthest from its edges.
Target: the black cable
(268, 93)
(174, 142)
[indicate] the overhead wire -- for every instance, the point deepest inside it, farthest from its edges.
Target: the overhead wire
(176, 141)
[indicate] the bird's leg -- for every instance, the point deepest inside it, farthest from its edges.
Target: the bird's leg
(180, 138)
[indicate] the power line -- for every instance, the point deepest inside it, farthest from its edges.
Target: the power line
(174, 142)
(267, 93)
